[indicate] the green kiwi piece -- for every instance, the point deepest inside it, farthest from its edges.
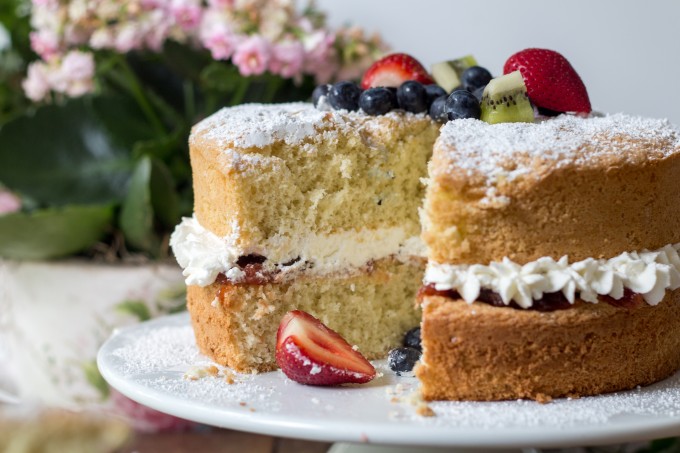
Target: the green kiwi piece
(505, 100)
(447, 73)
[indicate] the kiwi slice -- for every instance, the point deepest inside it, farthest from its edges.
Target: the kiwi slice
(505, 100)
(447, 73)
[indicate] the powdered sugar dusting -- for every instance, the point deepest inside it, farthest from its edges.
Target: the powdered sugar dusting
(508, 149)
(155, 358)
(259, 125)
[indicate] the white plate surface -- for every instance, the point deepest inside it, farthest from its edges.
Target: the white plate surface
(147, 363)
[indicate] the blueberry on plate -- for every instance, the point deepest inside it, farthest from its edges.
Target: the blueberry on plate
(438, 109)
(377, 101)
(412, 339)
(462, 104)
(412, 96)
(433, 92)
(475, 77)
(319, 91)
(402, 360)
(344, 96)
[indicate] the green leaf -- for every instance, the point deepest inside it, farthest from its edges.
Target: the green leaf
(54, 232)
(136, 215)
(136, 308)
(76, 153)
(151, 196)
(220, 77)
(94, 377)
(163, 195)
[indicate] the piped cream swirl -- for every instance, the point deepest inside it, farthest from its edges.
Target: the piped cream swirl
(649, 273)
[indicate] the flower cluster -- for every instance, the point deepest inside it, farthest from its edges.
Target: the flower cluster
(256, 35)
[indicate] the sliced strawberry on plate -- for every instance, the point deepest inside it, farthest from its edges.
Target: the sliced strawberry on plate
(552, 83)
(310, 353)
(393, 70)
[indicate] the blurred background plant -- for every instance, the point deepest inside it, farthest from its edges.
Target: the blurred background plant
(97, 98)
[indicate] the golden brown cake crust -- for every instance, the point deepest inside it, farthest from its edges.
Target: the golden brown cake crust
(598, 187)
(479, 352)
(236, 325)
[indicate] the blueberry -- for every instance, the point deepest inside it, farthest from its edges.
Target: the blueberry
(433, 92)
(344, 95)
(479, 92)
(438, 109)
(475, 77)
(412, 339)
(377, 101)
(462, 104)
(458, 88)
(402, 359)
(412, 96)
(321, 90)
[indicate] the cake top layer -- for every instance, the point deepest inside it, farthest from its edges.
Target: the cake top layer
(483, 153)
(259, 125)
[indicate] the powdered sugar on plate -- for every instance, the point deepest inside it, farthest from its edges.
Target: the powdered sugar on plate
(148, 363)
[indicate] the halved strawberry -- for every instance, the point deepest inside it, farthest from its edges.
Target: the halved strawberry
(393, 70)
(310, 353)
(552, 83)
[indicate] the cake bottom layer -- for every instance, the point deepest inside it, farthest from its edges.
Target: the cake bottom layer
(236, 324)
(482, 353)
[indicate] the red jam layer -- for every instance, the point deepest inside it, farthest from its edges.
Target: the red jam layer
(549, 301)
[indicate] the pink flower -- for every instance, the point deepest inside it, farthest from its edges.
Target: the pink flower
(221, 44)
(9, 202)
(187, 13)
(77, 69)
(221, 4)
(287, 59)
(36, 85)
(102, 38)
(252, 56)
(45, 43)
(127, 38)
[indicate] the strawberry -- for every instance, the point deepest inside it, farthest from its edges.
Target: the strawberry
(310, 353)
(552, 83)
(393, 70)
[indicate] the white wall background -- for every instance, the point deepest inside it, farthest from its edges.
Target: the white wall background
(626, 51)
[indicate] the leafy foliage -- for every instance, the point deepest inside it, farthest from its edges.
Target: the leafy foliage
(123, 150)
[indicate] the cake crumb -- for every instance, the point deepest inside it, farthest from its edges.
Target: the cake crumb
(543, 398)
(252, 409)
(394, 399)
(199, 372)
(242, 404)
(229, 377)
(424, 410)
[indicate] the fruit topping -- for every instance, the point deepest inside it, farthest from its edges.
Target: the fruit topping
(505, 100)
(462, 104)
(402, 360)
(551, 81)
(378, 101)
(438, 109)
(393, 70)
(319, 92)
(344, 95)
(433, 92)
(310, 353)
(412, 97)
(412, 339)
(448, 74)
(475, 77)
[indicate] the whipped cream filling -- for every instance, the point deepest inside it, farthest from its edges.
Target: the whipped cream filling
(204, 255)
(649, 273)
